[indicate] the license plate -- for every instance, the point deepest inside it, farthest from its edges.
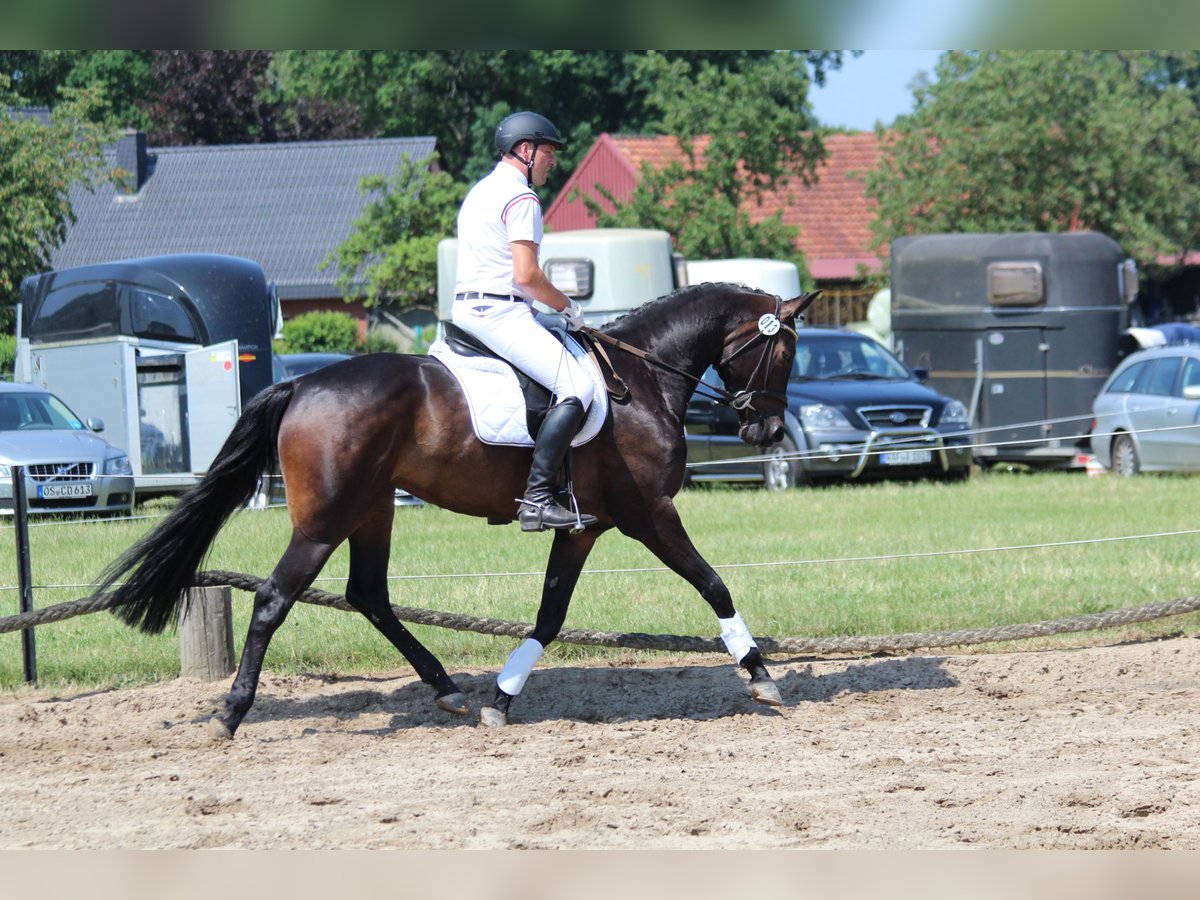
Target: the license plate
(64, 491)
(906, 457)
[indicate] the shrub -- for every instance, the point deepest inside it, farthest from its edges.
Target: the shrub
(8, 355)
(319, 332)
(378, 342)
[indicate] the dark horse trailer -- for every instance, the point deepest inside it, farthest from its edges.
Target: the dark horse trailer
(1022, 328)
(165, 349)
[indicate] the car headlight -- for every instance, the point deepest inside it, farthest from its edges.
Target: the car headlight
(117, 465)
(818, 416)
(954, 413)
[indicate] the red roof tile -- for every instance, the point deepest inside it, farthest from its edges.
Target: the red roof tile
(833, 214)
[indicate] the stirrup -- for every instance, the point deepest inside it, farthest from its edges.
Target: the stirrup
(533, 516)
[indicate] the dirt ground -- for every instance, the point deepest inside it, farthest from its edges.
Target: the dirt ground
(1091, 748)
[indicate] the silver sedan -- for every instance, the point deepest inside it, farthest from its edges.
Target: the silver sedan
(68, 467)
(1147, 416)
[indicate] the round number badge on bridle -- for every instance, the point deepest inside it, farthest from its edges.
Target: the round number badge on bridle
(769, 324)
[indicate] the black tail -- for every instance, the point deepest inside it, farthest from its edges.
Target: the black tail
(163, 563)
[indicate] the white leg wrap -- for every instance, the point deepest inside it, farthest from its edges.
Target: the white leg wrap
(520, 663)
(736, 636)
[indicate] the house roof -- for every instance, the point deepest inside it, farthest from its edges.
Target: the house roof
(833, 214)
(284, 205)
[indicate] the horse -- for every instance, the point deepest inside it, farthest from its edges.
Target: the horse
(346, 436)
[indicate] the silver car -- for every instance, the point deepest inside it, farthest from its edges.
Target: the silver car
(68, 467)
(1147, 416)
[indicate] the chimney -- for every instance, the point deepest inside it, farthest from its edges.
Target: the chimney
(131, 156)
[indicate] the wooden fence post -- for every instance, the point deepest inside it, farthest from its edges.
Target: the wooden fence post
(206, 633)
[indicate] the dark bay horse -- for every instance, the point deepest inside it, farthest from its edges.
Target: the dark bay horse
(345, 436)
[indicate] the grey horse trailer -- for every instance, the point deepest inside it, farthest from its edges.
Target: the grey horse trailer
(1023, 328)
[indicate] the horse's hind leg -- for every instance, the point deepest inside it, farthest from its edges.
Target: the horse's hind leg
(273, 600)
(367, 591)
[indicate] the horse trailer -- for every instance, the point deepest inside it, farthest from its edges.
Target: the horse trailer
(1022, 328)
(165, 349)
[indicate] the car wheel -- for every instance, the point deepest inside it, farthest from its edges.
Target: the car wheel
(779, 470)
(1125, 456)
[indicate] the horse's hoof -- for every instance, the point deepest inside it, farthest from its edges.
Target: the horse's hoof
(489, 715)
(218, 731)
(453, 703)
(766, 693)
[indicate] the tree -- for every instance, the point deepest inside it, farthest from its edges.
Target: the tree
(1048, 141)
(392, 247)
(459, 96)
(40, 163)
(744, 132)
(210, 97)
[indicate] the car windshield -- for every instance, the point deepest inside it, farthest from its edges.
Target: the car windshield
(27, 412)
(849, 358)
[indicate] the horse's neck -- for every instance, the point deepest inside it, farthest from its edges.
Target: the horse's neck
(691, 343)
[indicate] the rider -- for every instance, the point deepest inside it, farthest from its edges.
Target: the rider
(499, 230)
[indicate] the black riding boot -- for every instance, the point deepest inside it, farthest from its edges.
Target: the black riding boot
(539, 509)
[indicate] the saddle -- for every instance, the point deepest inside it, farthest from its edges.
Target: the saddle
(507, 406)
(537, 395)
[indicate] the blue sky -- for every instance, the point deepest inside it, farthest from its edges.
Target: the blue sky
(874, 86)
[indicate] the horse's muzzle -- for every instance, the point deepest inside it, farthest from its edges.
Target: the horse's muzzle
(762, 432)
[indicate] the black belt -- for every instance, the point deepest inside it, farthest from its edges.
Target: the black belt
(480, 295)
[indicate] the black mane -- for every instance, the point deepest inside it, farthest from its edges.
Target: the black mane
(651, 313)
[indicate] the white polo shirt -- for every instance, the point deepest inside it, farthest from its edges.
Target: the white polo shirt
(498, 210)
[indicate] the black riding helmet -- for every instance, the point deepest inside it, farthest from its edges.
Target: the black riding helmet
(527, 126)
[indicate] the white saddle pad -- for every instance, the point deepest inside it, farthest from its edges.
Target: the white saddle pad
(497, 404)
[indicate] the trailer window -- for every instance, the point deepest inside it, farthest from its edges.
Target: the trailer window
(1015, 284)
(156, 315)
(574, 277)
(83, 310)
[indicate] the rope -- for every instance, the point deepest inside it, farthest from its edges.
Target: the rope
(801, 646)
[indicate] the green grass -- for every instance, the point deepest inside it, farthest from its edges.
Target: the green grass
(833, 582)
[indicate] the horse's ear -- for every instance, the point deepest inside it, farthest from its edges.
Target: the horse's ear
(793, 310)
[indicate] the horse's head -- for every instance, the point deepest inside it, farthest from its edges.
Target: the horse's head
(755, 364)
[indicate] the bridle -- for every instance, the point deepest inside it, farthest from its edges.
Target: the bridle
(770, 326)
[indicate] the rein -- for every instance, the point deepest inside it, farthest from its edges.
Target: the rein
(769, 325)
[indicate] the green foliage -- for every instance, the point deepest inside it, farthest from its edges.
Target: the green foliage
(378, 342)
(8, 355)
(392, 248)
(319, 332)
(461, 95)
(39, 165)
(743, 131)
(1049, 140)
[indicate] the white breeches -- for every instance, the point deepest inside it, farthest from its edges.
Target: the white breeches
(510, 329)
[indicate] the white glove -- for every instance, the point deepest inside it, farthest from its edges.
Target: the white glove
(573, 313)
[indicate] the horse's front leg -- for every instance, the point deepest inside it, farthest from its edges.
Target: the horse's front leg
(664, 535)
(567, 556)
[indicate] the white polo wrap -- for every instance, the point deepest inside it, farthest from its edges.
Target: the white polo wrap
(520, 663)
(736, 636)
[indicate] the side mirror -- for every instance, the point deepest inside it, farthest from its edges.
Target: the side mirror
(1191, 392)
(921, 372)
(95, 423)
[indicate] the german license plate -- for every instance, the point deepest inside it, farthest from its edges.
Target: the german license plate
(906, 457)
(64, 491)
